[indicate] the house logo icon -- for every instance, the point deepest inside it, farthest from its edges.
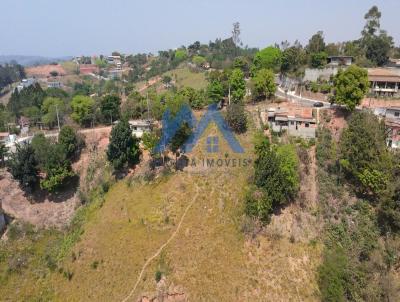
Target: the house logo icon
(172, 124)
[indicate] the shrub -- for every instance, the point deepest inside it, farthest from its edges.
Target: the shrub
(236, 118)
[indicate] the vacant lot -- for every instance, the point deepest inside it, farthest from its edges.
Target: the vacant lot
(190, 225)
(43, 71)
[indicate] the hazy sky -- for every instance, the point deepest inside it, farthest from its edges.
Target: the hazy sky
(74, 27)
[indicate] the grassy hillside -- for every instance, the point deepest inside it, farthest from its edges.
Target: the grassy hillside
(184, 77)
(189, 228)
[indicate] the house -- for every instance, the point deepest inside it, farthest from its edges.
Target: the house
(395, 63)
(139, 127)
(88, 69)
(296, 121)
(114, 60)
(384, 82)
(340, 60)
(25, 83)
(391, 116)
(54, 84)
(393, 113)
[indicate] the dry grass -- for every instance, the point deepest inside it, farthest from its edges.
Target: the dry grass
(210, 258)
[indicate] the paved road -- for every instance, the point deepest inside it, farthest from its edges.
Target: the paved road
(302, 101)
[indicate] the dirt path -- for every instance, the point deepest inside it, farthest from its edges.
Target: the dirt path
(158, 252)
(151, 82)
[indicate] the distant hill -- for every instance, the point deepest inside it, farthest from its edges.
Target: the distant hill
(30, 60)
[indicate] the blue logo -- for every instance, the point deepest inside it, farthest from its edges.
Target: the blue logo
(172, 125)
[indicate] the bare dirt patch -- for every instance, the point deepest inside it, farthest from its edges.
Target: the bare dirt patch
(43, 214)
(44, 210)
(44, 70)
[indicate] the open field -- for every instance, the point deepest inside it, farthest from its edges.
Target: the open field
(184, 77)
(181, 77)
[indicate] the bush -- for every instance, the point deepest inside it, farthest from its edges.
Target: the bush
(236, 118)
(332, 275)
(158, 276)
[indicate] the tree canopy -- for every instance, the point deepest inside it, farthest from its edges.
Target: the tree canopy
(123, 148)
(351, 85)
(238, 85)
(270, 58)
(264, 84)
(82, 109)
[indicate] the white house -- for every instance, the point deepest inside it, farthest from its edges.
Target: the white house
(139, 127)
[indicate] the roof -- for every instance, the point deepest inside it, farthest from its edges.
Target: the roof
(88, 68)
(393, 108)
(382, 75)
(293, 113)
(143, 123)
(392, 122)
(340, 57)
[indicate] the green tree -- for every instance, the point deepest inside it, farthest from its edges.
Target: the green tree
(378, 49)
(264, 84)
(373, 23)
(277, 172)
(270, 58)
(377, 43)
(180, 137)
(180, 55)
(23, 166)
(243, 64)
(292, 59)
(40, 145)
(195, 98)
(72, 143)
(150, 141)
(236, 117)
(49, 109)
(167, 80)
(317, 43)
(110, 107)
(31, 96)
(319, 59)
(82, 109)
(351, 85)
(238, 86)
(215, 91)
(198, 60)
(364, 156)
(57, 168)
(124, 147)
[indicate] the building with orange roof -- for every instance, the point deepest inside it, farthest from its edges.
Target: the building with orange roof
(296, 121)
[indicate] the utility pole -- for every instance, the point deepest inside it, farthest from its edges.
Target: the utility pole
(229, 95)
(58, 123)
(148, 107)
(58, 118)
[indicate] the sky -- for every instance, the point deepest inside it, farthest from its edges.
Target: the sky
(57, 28)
